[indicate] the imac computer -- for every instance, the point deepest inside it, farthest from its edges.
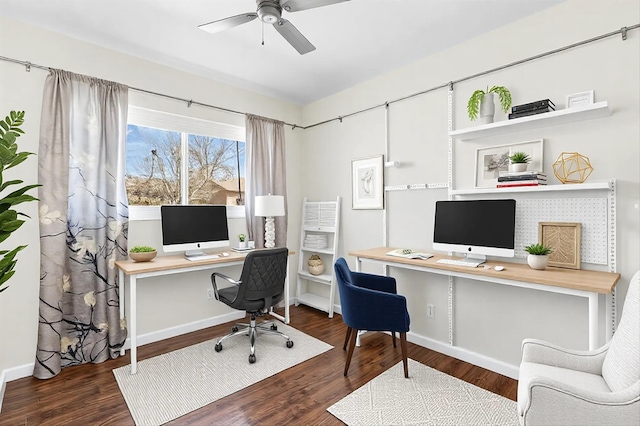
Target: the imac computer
(477, 228)
(192, 228)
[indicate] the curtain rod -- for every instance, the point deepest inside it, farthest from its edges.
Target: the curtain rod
(622, 31)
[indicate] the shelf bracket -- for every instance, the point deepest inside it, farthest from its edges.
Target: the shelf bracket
(623, 32)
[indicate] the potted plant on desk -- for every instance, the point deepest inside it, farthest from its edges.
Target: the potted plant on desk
(142, 253)
(242, 241)
(538, 256)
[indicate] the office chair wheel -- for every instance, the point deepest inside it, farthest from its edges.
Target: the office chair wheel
(252, 359)
(234, 329)
(218, 347)
(289, 344)
(274, 327)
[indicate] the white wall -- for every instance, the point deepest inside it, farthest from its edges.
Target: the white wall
(490, 320)
(162, 303)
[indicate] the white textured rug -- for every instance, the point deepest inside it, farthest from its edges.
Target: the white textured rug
(173, 384)
(427, 397)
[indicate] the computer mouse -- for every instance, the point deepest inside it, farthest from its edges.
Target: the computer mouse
(498, 268)
(224, 254)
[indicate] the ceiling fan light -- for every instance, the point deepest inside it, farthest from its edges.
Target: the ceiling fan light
(269, 14)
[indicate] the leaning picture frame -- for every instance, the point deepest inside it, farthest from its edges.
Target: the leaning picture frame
(564, 239)
(492, 160)
(367, 183)
(580, 99)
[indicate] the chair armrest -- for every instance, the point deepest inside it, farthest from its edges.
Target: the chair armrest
(541, 352)
(549, 401)
(379, 311)
(224, 277)
(374, 282)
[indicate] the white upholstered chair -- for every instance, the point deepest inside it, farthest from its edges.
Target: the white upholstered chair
(558, 386)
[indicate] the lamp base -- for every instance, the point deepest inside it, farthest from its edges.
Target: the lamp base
(269, 232)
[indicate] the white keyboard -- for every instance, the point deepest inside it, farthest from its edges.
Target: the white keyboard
(468, 263)
(202, 257)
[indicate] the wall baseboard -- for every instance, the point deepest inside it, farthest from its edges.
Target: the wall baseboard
(3, 386)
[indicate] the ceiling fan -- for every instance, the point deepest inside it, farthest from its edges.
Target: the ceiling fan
(270, 12)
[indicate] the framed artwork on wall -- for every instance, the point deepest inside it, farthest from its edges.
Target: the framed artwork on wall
(367, 183)
(564, 239)
(490, 161)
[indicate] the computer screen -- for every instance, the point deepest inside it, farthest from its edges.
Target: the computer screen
(191, 228)
(477, 228)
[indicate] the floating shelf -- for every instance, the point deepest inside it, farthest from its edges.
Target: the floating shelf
(596, 110)
(542, 188)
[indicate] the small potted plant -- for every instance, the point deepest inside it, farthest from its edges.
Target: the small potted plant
(481, 101)
(142, 253)
(538, 255)
(316, 265)
(518, 161)
(242, 241)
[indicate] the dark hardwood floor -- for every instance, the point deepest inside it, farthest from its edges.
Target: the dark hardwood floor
(89, 394)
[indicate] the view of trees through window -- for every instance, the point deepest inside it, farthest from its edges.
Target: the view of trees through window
(156, 174)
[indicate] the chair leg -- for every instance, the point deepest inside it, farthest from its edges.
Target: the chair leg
(346, 338)
(393, 337)
(352, 345)
(405, 361)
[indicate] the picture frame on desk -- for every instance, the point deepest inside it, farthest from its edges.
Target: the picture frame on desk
(564, 238)
(492, 160)
(367, 183)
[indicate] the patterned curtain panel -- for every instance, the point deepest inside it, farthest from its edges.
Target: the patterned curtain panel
(266, 174)
(83, 221)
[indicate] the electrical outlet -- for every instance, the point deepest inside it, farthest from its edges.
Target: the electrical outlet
(210, 293)
(431, 311)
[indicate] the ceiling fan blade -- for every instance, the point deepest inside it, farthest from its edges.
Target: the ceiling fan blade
(297, 5)
(226, 23)
(294, 37)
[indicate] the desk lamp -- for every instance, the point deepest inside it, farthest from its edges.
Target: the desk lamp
(269, 206)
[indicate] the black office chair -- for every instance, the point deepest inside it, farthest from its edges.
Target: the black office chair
(261, 286)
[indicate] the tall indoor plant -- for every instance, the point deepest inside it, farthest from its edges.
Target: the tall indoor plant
(9, 218)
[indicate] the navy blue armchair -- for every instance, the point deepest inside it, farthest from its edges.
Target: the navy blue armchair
(370, 302)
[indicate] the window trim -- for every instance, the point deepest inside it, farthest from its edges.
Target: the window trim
(179, 123)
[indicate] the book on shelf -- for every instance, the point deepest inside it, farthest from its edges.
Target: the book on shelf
(543, 103)
(526, 172)
(514, 184)
(534, 176)
(528, 113)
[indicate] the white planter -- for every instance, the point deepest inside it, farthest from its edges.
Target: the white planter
(538, 261)
(518, 167)
(242, 244)
(487, 108)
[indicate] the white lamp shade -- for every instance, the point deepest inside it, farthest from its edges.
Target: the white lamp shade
(269, 205)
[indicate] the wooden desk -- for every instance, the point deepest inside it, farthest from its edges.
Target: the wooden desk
(574, 282)
(167, 265)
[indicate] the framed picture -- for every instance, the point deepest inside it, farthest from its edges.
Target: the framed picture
(564, 239)
(579, 99)
(490, 161)
(367, 183)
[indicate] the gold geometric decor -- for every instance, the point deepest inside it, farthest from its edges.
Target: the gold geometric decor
(572, 167)
(564, 238)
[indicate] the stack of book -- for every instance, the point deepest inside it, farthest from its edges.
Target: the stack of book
(532, 108)
(514, 179)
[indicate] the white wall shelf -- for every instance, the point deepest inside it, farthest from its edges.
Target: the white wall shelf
(596, 110)
(543, 188)
(319, 219)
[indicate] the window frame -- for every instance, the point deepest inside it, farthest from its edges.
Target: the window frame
(139, 116)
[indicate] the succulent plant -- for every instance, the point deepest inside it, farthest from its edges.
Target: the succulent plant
(538, 249)
(519, 158)
(141, 249)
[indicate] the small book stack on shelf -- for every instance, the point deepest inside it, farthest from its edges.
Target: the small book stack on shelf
(532, 108)
(515, 179)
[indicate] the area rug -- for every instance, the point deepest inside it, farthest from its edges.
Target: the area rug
(427, 397)
(173, 384)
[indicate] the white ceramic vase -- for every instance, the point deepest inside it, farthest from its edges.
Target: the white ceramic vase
(517, 167)
(242, 244)
(487, 108)
(536, 261)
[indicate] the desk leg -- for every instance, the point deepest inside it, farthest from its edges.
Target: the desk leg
(132, 324)
(593, 321)
(358, 264)
(121, 302)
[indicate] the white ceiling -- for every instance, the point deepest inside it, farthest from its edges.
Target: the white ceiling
(355, 40)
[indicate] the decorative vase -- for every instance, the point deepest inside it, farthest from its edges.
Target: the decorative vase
(537, 261)
(487, 108)
(518, 167)
(242, 244)
(144, 256)
(316, 266)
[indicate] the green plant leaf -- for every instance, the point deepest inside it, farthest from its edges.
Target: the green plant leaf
(474, 104)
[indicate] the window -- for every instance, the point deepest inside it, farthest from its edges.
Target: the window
(172, 159)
